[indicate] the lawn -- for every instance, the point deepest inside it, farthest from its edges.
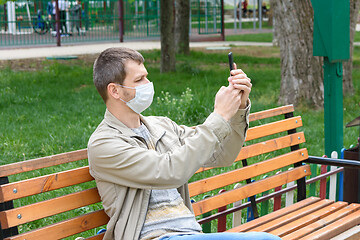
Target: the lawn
(56, 108)
(49, 107)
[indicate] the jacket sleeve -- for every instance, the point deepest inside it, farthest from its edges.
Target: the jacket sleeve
(226, 152)
(114, 159)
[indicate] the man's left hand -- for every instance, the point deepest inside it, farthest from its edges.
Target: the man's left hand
(241, 82)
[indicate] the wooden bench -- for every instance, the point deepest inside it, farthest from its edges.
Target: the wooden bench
(55, 197)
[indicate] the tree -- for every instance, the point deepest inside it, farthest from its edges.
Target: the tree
(182, 17)
(348, 87)
(301, 72)
(168, 58)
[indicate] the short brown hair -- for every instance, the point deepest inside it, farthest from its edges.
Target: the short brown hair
(109, 67)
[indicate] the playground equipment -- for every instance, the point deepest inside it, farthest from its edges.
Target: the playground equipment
(11, 16)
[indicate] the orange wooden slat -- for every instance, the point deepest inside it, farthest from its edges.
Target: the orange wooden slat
(273, 128)
(66, 228)
(350, 234)
(28, 213)
(274, 215)
(271, 112)
(38, 163)
(228, 197)
(237, 175)
(267, 146)
(96, 237)
(271, 145)
(281, 221)
(335, 228)
(307, 219)
(42, 184)
(322, 223)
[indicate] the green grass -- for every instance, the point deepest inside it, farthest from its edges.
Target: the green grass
(56, 108)
(247, 25)
(258, 37)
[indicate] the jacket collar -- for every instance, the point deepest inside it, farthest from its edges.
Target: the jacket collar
(113, 122)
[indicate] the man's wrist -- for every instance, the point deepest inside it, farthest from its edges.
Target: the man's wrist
(243, 106)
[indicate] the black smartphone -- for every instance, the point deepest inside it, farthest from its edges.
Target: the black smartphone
(231, 61)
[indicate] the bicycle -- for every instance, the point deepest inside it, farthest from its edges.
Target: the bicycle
(41, 24)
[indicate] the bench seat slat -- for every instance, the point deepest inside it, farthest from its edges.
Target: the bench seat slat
(271, 112)
(274, 215)
(288, 218)
(66, 228)
(335, 228)
(323, 222)
(256, 169)
(38, 163)
(273, 128)
(35, 211)
(45, 183)
(308, 219)
(351, 234)
(228, 197)
(257, 149)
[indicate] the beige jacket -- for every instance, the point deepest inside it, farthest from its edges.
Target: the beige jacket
(125, 170)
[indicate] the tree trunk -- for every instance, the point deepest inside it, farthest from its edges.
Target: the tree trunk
(182, 18)
(167, 36)
(348, 87)
(301, 72)
(276, 33)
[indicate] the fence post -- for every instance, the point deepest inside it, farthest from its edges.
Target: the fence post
(265, 204)
(222, 21)
(323, 182)
(222, 219)
(237, 215)
(332, 188)
(277, 199)
(313, 168)
(289, 195)
(121, 20)
(57, 22)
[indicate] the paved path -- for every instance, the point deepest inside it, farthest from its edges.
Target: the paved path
(39, 52)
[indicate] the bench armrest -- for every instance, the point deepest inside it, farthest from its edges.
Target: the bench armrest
(334, 162)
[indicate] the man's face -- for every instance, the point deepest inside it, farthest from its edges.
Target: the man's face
(136, 75)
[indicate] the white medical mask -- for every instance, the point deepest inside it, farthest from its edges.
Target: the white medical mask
(143, 97)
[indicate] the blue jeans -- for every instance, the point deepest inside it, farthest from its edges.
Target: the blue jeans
(225, 236)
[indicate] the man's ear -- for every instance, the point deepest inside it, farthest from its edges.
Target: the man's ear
(113, 91)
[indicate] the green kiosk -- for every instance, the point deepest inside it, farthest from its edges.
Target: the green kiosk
(332, 41)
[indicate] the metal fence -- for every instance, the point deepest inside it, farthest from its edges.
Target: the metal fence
(30, 22)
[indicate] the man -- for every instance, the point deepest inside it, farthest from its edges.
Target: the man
(142, 164)
(75, 17)
(63, 7)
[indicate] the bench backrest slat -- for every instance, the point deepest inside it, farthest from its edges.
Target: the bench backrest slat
(39, 163)
(16, 190)
(48, 208)
(271, 113)
(257, 149)
(66, 228)
(223, 199)
(273, 128)
(241, 174)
